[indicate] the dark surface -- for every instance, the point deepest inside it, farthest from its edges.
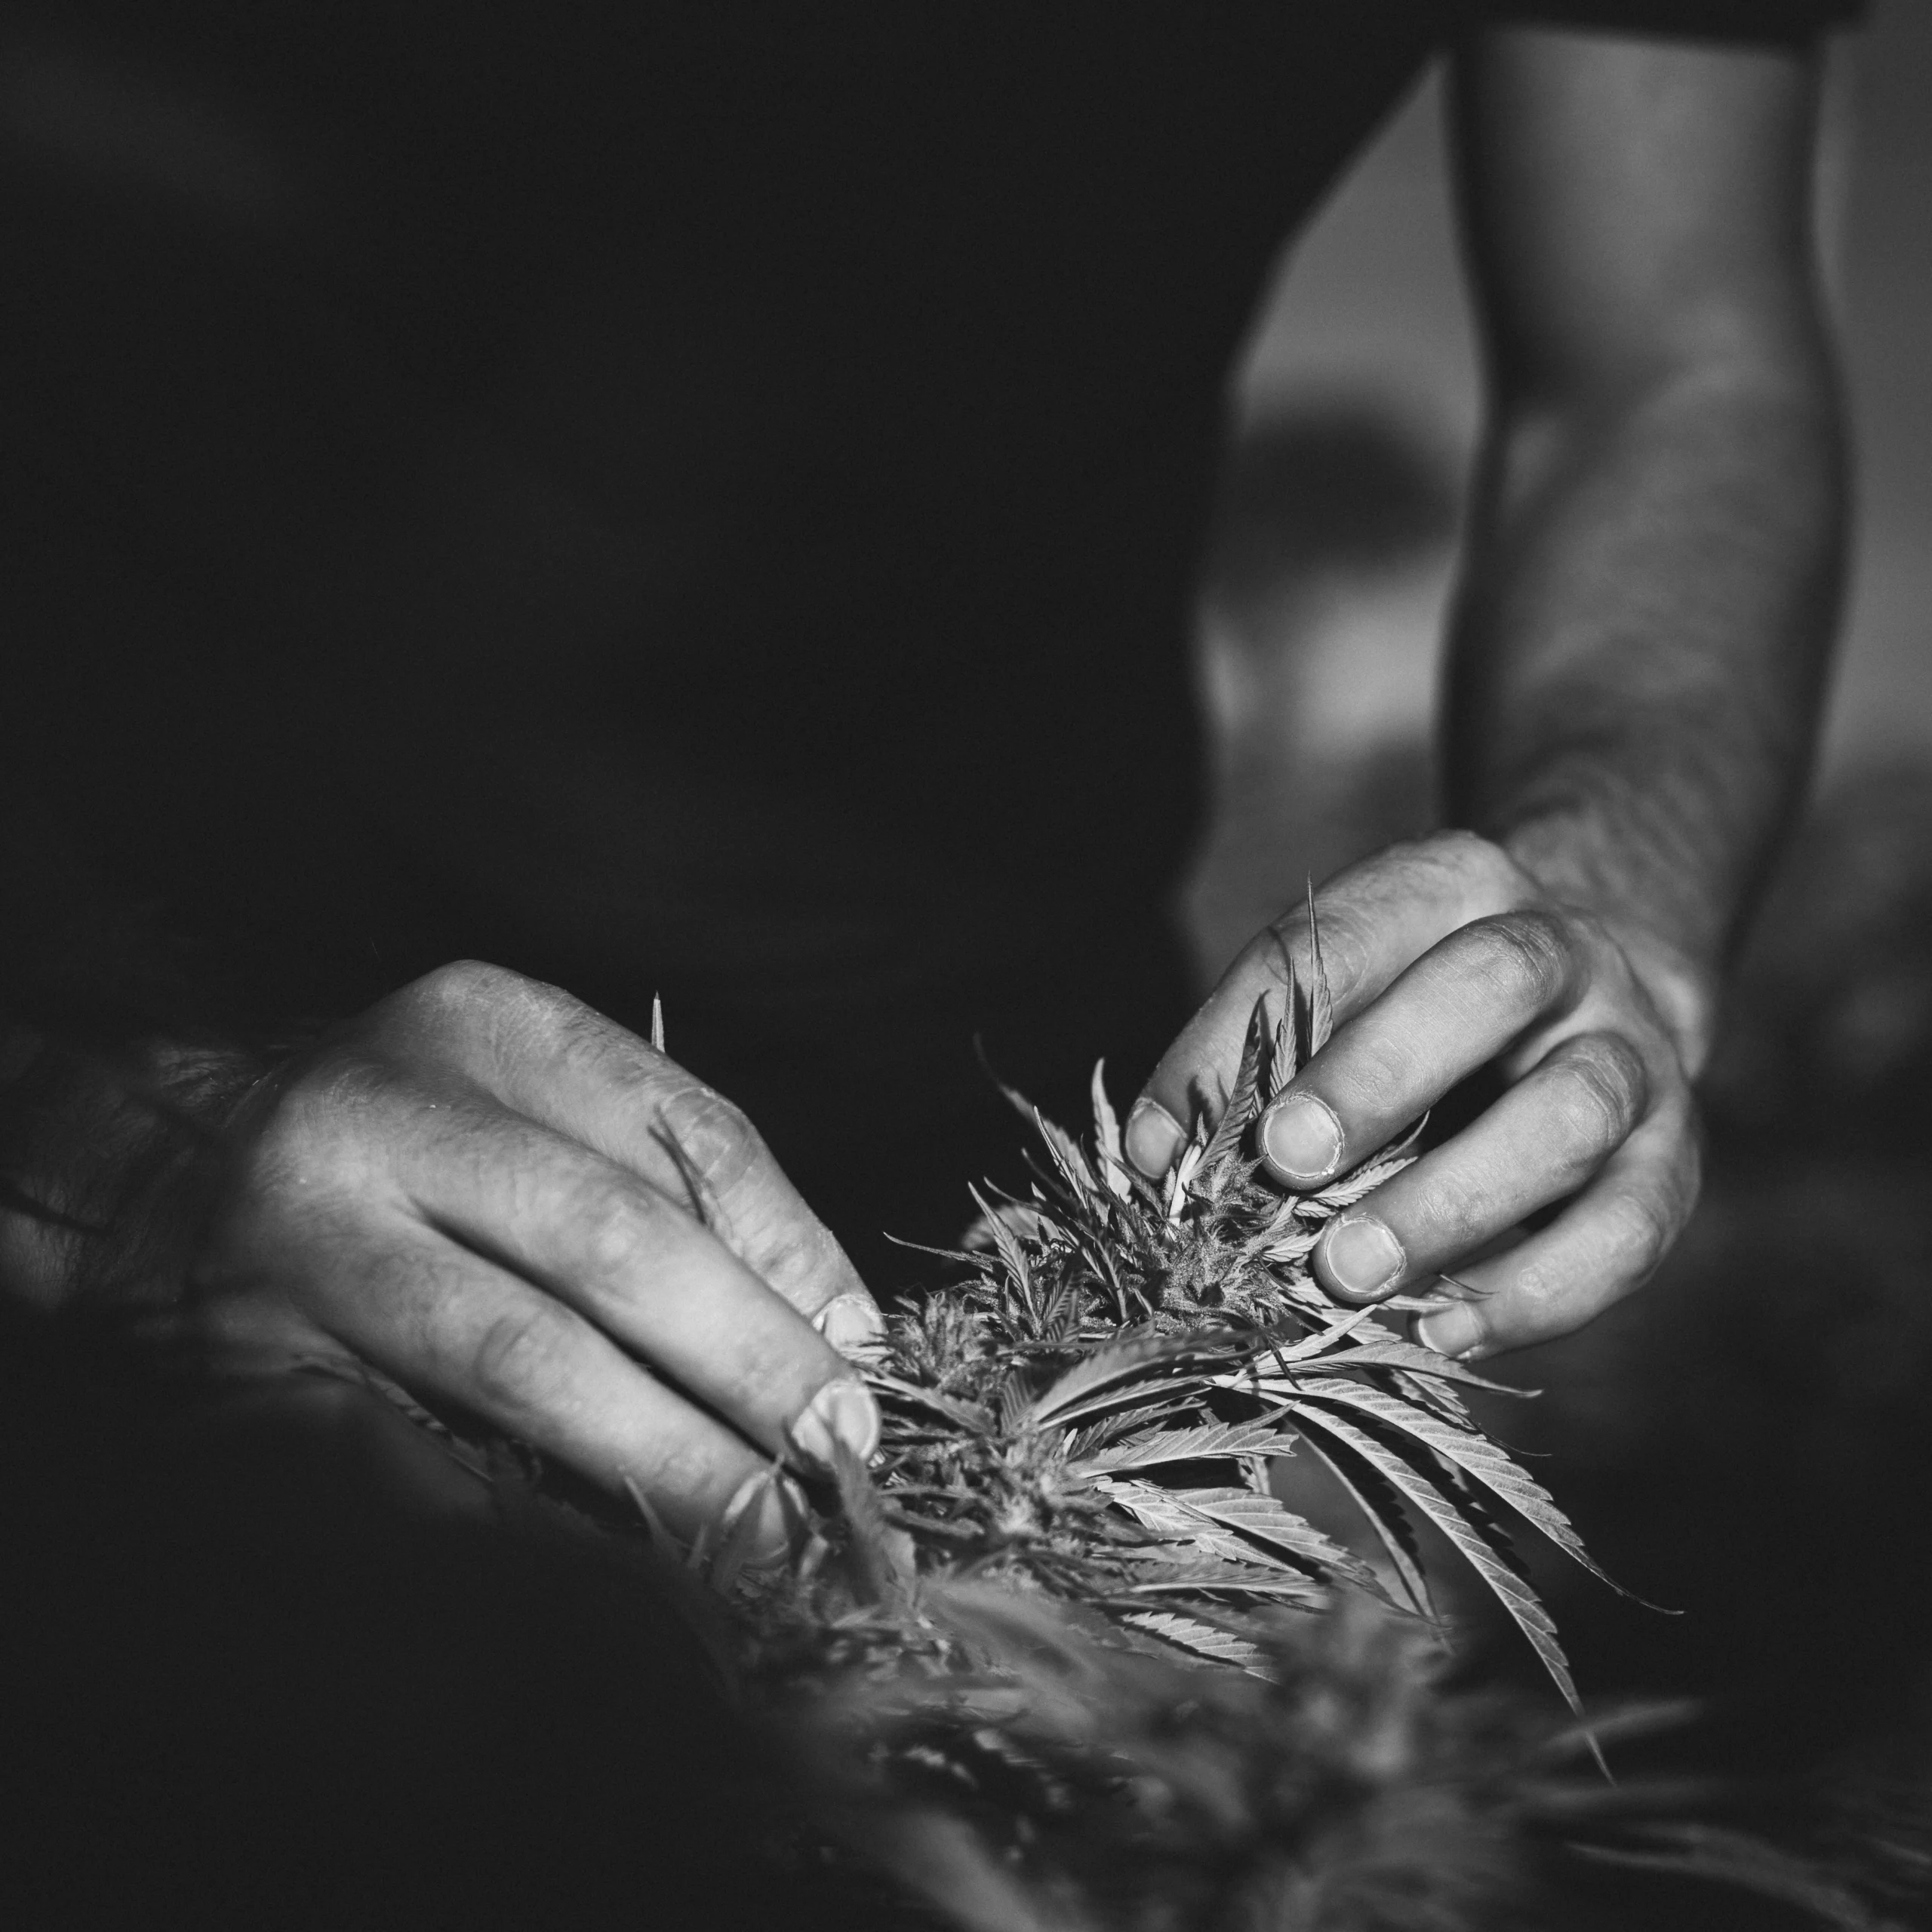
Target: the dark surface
(274, 1664)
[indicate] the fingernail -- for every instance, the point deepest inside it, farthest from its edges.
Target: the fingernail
(1302, 1138)
(1154, 1138)
(850, 1323)
(1363, 1257)
(842, 1412)
(1452, 1331)
(777, 1510)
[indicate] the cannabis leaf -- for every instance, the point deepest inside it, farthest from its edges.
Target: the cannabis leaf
(1188, 1445)
(1513, 1591)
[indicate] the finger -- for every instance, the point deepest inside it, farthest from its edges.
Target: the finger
(1373, 918)
(1607, 1243)
(1456, 1009)
(566, 1066)
(1540, 1142)
(454, 1323)
(645, 1272)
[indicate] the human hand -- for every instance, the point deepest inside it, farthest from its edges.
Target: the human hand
(485, 1190)
(1444, 956)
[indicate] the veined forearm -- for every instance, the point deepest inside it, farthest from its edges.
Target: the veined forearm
(1641, 646)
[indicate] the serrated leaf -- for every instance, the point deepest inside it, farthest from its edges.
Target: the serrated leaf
(1176, 1392)
(1185, 1170)
(1087, 1442)
(1391, 1527)
(1062, 1311)
(1352, 1188)
(1486, 1462)
(1108, 1143)
(1525, 1606)
(1067, 1156)
(1282, 1061)
(1020, 1217)
(1197, 1514)
(1311, 1347)
(1408, 1355)
(1434, 1391)
(1271, 1520)
(1279, 1586)
(1240, 1565)
(1188, 1633)
(1163, 1511)
(1188, 1445)
(1283, 1250)
(1111, 1364)
(1060, 1144)
(1007, 1245)
(1320, 1004)
(1244, 1099)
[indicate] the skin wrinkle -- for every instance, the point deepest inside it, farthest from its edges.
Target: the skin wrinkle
(1527, 959)
(519, 1356)
(1609, 1087)
(1452, 1210)
(484, 1200)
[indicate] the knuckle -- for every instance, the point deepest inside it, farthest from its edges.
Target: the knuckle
(1377, 1081)
(1637, 1233)
(718, 1140)
(319, 1131)
(1453, 1215)
(470, 999)
(1455, 845)
(519, 1356)
(1526, 955)
(1601, 1089)
(1284, 951)
(609, 1226)
(1478, 864)
(455, 987)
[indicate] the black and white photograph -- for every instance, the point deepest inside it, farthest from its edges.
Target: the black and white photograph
(965, 968)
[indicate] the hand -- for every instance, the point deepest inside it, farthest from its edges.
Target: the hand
(485, 1190)
(1444, 956)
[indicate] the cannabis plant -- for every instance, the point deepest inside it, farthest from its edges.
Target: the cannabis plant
(1061, 1657)
(1091, 1414)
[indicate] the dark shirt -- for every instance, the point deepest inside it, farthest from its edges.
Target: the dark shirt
(696, 499)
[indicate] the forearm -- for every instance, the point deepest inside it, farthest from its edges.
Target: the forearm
(1641, 643)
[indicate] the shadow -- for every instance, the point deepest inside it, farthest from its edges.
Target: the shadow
(1346, 484)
